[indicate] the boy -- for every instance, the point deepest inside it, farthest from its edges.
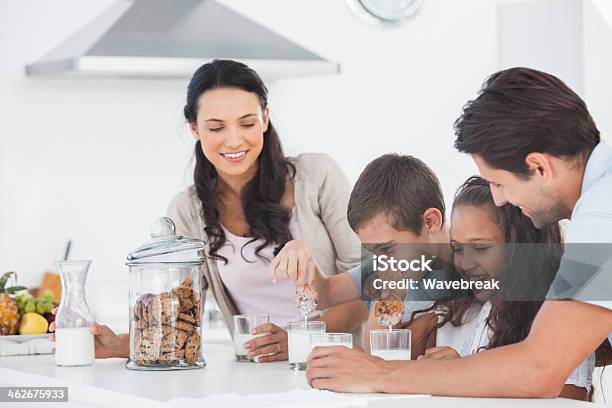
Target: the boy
(396, 203)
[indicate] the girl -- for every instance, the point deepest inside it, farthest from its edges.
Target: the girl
(480, 233)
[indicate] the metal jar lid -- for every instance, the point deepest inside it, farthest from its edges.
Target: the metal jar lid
(166, 247)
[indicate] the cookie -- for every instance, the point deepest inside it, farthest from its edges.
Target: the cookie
(192, 349)
(137, 341)
(306, 299)
(138, 311)
(150, 343)
(187, 318)
(167, 330)
(141, 361)
(173, 341)
(140, 324)
(186, 296)
(172, 357)
(165, 308)
(186, 326)
(197, 313)
(187, 282)
(142, 308)
(388, 312)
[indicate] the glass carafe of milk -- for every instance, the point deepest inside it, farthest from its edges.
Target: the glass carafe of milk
(74, 340)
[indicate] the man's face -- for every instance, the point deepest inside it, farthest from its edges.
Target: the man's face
(535, 196)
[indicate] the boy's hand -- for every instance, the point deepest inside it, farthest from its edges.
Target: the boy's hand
(295, 262)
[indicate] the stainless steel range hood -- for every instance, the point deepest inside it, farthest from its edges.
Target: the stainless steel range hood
(171, 39)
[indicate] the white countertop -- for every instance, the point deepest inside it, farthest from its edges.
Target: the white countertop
(109, 384)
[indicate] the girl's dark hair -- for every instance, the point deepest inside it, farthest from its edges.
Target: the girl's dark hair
(267, 218)
(527, 268)
(519, 111)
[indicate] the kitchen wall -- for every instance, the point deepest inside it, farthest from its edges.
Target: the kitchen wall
(96, 160)
(598, 62)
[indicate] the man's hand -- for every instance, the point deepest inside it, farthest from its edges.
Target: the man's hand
(341, 369)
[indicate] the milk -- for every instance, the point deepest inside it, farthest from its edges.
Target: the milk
(298, 339)
(239, 340)
(74, 347)
(392, 354)
(328, 344)
(299, 347)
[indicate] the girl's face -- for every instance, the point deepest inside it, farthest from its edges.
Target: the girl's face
(230, 126)
(478, 245)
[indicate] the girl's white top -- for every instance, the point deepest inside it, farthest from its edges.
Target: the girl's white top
(470, 337)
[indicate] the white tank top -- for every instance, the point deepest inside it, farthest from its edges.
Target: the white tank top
(470, 337)
(248, 281)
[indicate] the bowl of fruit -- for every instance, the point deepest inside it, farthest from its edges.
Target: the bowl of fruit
(22, 315)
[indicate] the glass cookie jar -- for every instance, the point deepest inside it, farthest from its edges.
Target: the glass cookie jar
(166, 301)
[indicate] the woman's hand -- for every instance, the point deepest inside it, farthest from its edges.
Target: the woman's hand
(295, 262)
(107, 343)
(439, 353)
(269, 347)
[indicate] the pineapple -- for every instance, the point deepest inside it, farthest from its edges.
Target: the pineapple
(9, 312)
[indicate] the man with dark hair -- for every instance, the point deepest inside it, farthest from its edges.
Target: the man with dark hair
(533, 139)
(535, 135)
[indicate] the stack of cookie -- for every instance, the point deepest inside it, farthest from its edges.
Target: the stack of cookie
(389, 312)
(165, 327)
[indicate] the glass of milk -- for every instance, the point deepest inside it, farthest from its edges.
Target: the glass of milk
(390, 344)
(298, 334)
(74, 340)
(331, 339)
(243, 324)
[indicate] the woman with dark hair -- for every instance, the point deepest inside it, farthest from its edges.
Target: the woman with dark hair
(248, 200)
(489, 243)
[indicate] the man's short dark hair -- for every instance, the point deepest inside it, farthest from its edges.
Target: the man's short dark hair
(520, 111)
(400, 187)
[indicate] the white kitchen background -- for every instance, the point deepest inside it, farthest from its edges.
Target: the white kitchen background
(96, 160)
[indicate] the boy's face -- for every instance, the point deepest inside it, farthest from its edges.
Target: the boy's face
(381, 237)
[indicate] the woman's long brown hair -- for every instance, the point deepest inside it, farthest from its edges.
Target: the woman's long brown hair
(268, 219)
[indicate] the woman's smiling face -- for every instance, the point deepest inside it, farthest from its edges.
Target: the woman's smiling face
(478, 244)
(230, 126)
